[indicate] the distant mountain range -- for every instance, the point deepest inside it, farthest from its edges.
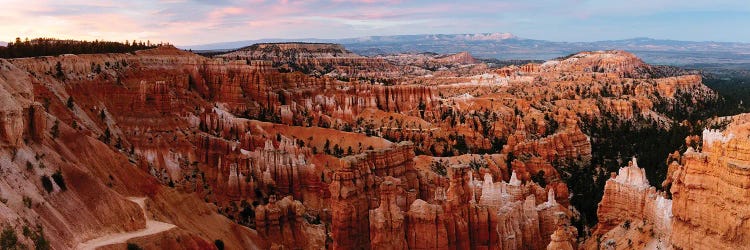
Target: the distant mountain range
(3, 43)
(506, 46)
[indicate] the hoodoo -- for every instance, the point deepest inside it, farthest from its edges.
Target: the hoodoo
(311, 146)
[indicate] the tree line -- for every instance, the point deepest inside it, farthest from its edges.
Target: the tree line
(54, 47)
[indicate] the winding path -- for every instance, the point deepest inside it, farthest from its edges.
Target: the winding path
(152, 227)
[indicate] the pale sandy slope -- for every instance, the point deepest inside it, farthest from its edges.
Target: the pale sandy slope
(152, 227)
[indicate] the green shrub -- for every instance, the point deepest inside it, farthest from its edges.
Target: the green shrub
(70, 103)
(9, 240)
(47, 183)
(439, 168)
(538, 178)
(55, 131)
(219, 244)
(133, 246)
(40, 242)
(57, 176)
(27, 202)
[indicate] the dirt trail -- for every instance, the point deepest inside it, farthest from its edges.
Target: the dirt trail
(152, 227)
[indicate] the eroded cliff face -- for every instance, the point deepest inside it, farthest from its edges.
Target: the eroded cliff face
(355, 190)
(387, 222)
(246, 152)
(316, 59)
(632, 214)
(283, 224)
(459, 212)
(708, 189)
(706, 209)
(61, 167)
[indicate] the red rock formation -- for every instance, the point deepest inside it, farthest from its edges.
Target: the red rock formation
(426, 226)
(563, 238)
(61, 134)
(700, 183)
(282, 223)
(316, 59)
(458, 58)
(387, 222)
(618, 62)
(570, 143)
(629, 197)
(178, 128)
(628, 208)
(709, 190)
(457, 202)
(15, 97)
(354, 191)
(525, 218)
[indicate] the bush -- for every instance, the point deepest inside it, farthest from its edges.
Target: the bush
(27, 202)
(57, 176)
(439, 168)
(55, 131)
(539, 178)
(47, 183)
(219, 244)
(9, 240)
(40, 242)
(70, 103)
(132, 246)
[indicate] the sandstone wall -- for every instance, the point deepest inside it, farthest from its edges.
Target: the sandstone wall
(709, 190)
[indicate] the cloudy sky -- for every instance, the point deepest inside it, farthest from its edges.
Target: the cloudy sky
(189, 22)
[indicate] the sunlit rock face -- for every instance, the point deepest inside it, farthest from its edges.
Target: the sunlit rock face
(16, 110)
(707, 205)
(387, 222)
(710, 190)
(628, 206)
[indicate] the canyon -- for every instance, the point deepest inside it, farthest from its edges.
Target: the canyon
(311, 146)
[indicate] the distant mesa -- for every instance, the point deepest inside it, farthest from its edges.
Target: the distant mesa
(490, 36)
(296, 48)
(458, 58)
(507, 46)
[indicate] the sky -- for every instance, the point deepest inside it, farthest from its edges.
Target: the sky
(193, 22)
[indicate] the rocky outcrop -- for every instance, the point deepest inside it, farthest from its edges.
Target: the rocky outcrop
(12, 124)
(458, 58)
(316, 59)
(73, 129)
(525, 218)
(689, 83)
(629, 197)
(282, 222)
(354, 191)
(458, 199)
(564, 237)
(426, 227)
(231, 134)
(387, 222)
(570, 143)
(706, 210)
(486, 215)
(709, 189)
(15, 98)
(291, 51)
(618, 62)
